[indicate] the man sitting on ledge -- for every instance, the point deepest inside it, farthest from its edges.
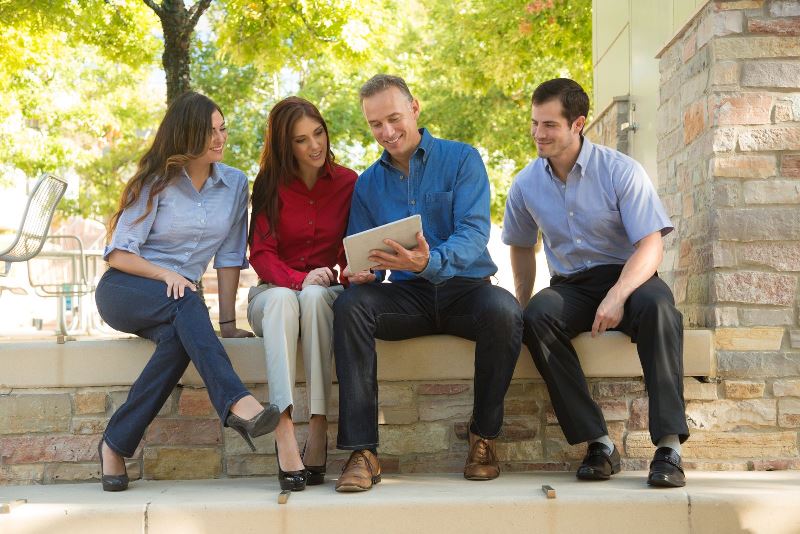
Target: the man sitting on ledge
(602, 225)
(440, 286)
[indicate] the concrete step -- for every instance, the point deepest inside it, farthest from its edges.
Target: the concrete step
(720, 502)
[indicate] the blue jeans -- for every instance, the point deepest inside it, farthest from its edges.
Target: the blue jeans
(182, 332)
(466, 307)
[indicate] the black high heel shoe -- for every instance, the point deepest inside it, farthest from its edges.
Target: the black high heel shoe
(315, 473)
(290, 480)
(111, 482)
(263, 423)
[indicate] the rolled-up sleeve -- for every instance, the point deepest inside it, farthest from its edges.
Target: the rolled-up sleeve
(131, 233)
(233, 250)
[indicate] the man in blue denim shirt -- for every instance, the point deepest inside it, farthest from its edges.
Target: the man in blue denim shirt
(441, 286)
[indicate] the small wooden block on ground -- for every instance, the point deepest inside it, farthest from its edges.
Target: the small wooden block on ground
(549, 491)
(7, 507)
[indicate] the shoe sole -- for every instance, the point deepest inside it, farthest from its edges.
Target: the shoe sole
(664, 482)
(114, 487)
(480, 478)
(352, 488)
(599, 476)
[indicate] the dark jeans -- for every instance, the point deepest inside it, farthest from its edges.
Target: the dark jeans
(465, 307)
(182, 332)
(565, 309)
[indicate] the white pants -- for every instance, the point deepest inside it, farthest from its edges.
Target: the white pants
(279, 314)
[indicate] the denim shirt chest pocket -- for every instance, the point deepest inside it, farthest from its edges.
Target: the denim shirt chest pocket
(439, 214)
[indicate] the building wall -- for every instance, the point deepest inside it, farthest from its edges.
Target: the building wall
(626, 36)
(729, 176)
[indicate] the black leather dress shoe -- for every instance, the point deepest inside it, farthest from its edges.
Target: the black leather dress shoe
(666, 469)
(598, 464)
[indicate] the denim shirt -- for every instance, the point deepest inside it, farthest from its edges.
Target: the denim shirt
(187, 227)
(448, 187)
(607, 205)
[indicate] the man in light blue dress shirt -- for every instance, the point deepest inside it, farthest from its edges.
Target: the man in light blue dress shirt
(441, 286)
(602, 224)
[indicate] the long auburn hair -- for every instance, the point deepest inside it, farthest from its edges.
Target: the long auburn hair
(183, 135)
(278, 165)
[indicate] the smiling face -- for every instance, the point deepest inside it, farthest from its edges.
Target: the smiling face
(219, 136)
(555, 137)
(309, 145)
(392, 117)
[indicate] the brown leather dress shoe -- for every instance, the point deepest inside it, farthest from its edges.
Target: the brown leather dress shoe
(360, 472)
(482, 459)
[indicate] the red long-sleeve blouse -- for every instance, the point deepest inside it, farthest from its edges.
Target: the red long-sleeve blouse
(311, 225)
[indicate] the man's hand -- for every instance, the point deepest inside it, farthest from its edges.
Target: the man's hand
(230, 330)
(609, 313)
(402, 259)
(361, 277)
(321, 276)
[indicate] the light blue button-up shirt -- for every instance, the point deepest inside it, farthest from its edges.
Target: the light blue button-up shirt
(187, 227)
(607, 204)
(448, 186)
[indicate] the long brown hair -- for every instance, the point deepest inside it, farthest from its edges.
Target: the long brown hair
(183, 135)
(278, 165)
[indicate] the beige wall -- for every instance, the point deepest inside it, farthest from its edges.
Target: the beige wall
(627, 34)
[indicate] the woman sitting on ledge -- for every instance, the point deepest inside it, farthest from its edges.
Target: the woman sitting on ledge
(301, 200)
(181, 207)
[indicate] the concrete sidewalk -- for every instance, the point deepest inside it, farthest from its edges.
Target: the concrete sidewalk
(712, 502)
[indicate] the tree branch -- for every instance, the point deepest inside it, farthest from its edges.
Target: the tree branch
(196, 11)
(155, 7)
(308, 25)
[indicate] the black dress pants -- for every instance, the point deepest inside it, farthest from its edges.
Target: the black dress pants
(466, 307)
(565, 309)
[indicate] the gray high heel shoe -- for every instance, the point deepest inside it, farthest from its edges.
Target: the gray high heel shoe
(263, 423)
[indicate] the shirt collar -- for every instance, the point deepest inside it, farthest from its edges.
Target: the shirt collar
(581, 162)
(585, 153)
(217, 174)
(425, 145)
(328, 174)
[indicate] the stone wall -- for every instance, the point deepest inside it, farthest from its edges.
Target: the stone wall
(611, 127)
(51, 436)
(729, 176)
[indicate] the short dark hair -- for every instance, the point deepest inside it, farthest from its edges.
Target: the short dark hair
(573, 98)
(382, 82)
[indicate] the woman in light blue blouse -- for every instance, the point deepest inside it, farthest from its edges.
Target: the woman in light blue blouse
(181, 208)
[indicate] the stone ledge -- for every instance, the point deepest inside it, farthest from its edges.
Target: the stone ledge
(117, 362)
(731, 502)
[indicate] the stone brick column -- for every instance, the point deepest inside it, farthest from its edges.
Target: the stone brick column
(611, 127)
(729, 176)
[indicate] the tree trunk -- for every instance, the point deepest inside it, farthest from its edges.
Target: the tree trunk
(178, 24)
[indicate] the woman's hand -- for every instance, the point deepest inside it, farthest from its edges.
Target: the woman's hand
(321, 276)
(230, 330)
(361, 277)
(176, 284)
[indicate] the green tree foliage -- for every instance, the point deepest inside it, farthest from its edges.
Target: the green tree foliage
(70, 99)
(473, 65)
(76, 76)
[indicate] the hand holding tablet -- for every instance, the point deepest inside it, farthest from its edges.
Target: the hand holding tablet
(368, 249)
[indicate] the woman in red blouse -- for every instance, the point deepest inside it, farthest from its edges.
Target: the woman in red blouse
(301, 201)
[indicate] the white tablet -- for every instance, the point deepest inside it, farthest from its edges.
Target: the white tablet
(357, 246)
